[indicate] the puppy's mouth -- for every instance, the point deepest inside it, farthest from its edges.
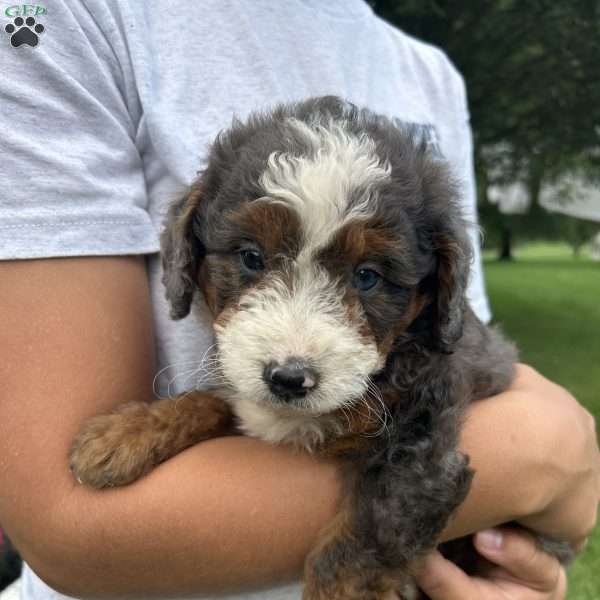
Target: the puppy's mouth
(290, 382)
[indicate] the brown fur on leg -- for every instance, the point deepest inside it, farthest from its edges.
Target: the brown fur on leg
(118, 448)
(335, 568)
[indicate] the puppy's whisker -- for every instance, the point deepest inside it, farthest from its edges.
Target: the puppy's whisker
(205, 359)
(355, 407)
(187, 375)
(206, 373)
(344, 411)
(383, 415)
(155, 388)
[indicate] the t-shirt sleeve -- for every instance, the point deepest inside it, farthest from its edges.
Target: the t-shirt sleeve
(71, 176)
(476, 292)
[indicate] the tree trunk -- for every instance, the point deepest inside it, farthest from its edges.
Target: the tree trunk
(505, 251)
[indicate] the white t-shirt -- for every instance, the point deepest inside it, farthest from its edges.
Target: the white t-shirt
(108, 118)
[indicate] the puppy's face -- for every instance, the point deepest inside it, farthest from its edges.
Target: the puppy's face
(309, 257)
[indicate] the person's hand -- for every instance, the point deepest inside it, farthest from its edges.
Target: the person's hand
(570, 463)
(514, 569)
(535, 453)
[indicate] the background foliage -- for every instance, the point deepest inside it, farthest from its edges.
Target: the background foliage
(533, 77)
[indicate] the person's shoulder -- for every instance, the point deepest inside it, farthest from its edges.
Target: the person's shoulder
(420, 50)
(432, 62)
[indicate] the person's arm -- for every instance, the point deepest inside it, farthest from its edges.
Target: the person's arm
(77, 340)
(229, 513)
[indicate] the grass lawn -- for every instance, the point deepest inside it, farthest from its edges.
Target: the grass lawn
(549, 303)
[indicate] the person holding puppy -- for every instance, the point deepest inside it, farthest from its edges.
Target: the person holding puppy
(127, 95)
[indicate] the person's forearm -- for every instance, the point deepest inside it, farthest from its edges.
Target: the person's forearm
(237, 513)
(227, 514)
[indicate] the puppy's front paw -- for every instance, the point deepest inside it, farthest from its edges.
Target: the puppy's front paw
(114, 449)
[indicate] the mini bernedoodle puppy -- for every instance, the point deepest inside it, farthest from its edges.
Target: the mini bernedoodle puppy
(330, 248)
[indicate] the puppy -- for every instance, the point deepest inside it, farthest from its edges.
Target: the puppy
(329, 246)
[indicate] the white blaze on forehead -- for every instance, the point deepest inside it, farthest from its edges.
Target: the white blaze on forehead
(301, 313)
(319, 186)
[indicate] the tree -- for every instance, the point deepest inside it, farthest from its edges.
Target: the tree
(533, 76)
(578, 232)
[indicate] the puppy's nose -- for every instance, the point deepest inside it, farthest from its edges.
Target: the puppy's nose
(292, 379)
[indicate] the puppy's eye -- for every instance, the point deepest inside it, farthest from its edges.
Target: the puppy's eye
(365, 279)
(252, 260)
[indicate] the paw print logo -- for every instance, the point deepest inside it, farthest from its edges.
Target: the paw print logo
(24, 32)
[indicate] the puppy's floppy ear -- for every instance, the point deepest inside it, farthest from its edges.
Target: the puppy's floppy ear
(451, 246)
(181, 252)
(453, 253)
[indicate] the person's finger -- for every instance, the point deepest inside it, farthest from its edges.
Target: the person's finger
(517, 553)
(440, 579)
